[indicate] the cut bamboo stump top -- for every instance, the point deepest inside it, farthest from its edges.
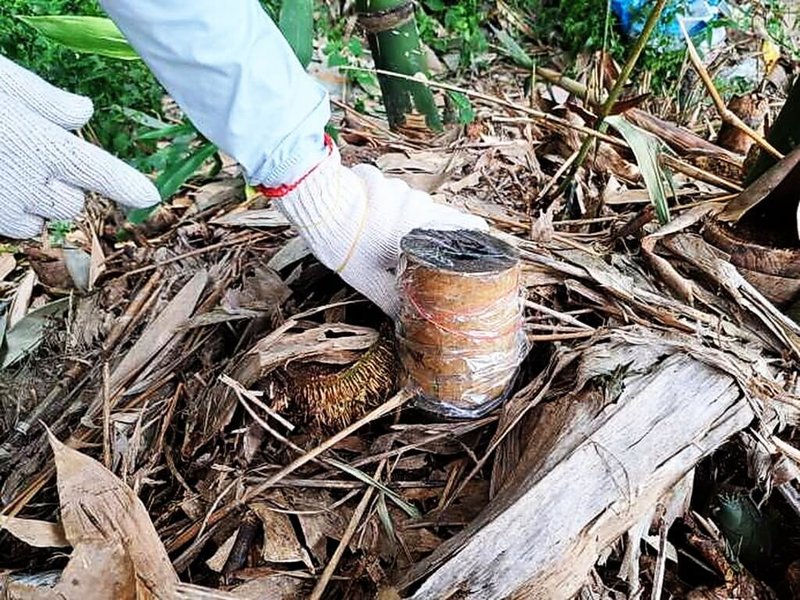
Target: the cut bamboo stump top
(460, 325)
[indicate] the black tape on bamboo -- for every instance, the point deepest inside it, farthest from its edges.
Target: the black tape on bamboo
(460, 330)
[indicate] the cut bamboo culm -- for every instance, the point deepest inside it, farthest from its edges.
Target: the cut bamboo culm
(394, 41)
(460, 328)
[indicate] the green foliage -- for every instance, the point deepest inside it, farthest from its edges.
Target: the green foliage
(584, 26)
(647, 149)
(110, 83)
(341, 52)
(93, 35)
(459, 104)
(174, 144)
(776, 18)
(454, 25)
(58, 231)
(296, 22)
(575, 27)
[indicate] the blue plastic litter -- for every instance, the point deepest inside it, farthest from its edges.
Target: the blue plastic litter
(696, 14)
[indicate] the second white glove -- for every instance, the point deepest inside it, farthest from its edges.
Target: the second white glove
(45, 169)
(353, 221)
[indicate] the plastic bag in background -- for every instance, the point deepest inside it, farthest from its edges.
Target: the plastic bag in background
(697, 16)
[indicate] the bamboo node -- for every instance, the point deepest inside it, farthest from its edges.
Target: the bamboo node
(385, 20)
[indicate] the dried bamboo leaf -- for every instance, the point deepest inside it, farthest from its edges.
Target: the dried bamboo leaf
(158, 333)
(280, 541)
(99, 571)
(40, 534)
(27, 334)
(97, 264)
(294, 251)
(188, 591)
(217, 562)
(333, 343)
(7, 265)
(318, 523)
(647, 148)
(22, 298)
(102, 515)
(273, 587)
(265, 217)
(682, 286)
(28, 586)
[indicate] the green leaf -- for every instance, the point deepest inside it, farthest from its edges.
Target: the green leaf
(166, 132)
(26, 335)
(141, 118)
(647, 149)
(93, 35)
(406, 507)
(435, 5)
(385, 517)
(173, 178)
(296, 22)
(512, 49)
(466, 114)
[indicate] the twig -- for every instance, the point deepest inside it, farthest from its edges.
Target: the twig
(395, 402)
(681, 166)
(727, 115)
(560, 336)
(537, 114)
(619, 84)
(250, 237)
(106, 418)
(554, 179)
(661, 563)
(672, 162)
(242, 391)
(136, 306)
(560, 316)
(365, 121)
(330, 568)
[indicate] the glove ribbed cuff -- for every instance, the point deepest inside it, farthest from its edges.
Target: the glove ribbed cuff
(282, 190)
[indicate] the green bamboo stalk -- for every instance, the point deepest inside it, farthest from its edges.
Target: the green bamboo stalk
(394, 40)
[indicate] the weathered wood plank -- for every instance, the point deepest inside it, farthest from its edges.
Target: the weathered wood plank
(600, 464)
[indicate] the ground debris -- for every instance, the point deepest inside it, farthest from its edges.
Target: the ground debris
(229, 411)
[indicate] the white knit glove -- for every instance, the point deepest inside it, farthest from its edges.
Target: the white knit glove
(44, 169)
(353, 221)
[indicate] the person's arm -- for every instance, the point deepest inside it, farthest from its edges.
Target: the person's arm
(230, 69)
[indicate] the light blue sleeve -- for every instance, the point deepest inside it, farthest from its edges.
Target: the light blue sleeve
(229, 68)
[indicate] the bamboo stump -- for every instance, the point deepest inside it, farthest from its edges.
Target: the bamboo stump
(460, 326)
(596, 464)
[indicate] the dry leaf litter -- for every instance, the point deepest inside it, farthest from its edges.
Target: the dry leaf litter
(229, 413)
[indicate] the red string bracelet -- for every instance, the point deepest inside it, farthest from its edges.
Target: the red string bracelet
(281, 190)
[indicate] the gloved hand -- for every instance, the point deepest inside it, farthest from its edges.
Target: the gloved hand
(44, 169)
(353, 221)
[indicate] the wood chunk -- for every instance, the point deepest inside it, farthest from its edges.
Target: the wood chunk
(601, 463)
